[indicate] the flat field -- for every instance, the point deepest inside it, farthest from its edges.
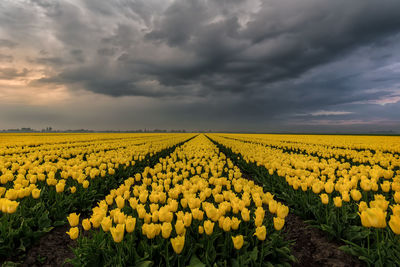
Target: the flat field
(199, 200)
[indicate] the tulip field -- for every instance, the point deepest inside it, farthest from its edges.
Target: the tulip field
(198, 199)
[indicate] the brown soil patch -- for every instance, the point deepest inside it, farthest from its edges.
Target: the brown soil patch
(51, 250)
(313, 248)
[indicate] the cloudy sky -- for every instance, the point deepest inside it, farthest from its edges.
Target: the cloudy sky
(245, 65)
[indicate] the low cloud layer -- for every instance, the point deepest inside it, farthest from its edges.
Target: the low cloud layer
(246, 65)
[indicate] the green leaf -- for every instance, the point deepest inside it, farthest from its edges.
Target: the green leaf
(144, 264)
(195, 262)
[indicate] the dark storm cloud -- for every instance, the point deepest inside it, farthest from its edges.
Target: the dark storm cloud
(211, 46)
(253, 61)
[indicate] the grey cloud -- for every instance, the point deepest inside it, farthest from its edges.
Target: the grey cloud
(7, 43)
(6, 58)
(11, 73)
(251, 61)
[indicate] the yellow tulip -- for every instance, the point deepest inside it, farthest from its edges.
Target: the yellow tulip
(73, 219)
(355, 194)
(166, 229)
(12, 206)
(120, 201)
(118, 232)
(187, 219)
(238, 241)
(60, 187)
(282, 211)
(85, 184)
(394, 224)
(362, 206)
(278, 223)
(396, 197)
(395, 209)
(235, 223)
(178, 243)
(337, 201)
(226, 226)
(35, 193)
(130, 224)
(273, 205)
(208, 227)
(73, 233)
(179, 227)
(245, 214)
(106, 224)
(201, 229)
(261, 233)
(86, 224)
(329, 186)
(373, 217)
(324, 199)
(73, 189)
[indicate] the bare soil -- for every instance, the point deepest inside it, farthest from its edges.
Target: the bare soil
(51, 250)
(312, 247)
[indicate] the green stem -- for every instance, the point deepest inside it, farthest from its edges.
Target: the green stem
(378, 245)
(167, 256)
(262, 254)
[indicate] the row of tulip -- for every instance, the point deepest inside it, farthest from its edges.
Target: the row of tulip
(53, 179)
(351, 202)
(194, 204)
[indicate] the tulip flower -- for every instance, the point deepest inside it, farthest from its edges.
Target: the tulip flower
(179, 227)
(86, 224)
(166, 229)
(106, 224)
(235, 223)
(394, 224)
(261, 233)
(238, 241)
(355, 194)
(60, 187)
(178, 243)
(35, 193)
(324, 199)
(73, 233)
(282, 211)
(118, 232)
(120, 201)
(278, 223)
(201, 229)
(373, 217)
(73, 219)
(208, 227)
(226, 225)
(245, 215)
(130, 224)
(338, 202)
